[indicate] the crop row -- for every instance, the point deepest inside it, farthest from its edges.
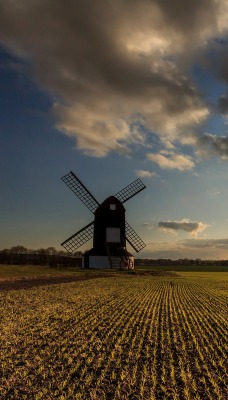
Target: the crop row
(116, 338)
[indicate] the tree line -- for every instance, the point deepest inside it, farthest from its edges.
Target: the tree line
(20, 255)
(19, 249)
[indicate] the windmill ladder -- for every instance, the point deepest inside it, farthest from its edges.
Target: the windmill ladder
(113, 261)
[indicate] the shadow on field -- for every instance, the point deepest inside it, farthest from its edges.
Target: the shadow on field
(27, 283)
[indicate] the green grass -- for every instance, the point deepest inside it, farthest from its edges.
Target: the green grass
(10, 271)
(122, 338)
(213, 275)
(190, 268)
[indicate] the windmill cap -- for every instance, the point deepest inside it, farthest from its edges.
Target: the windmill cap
(112, 200)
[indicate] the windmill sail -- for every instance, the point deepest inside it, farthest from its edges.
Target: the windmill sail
(133, 239)
(79, 238)
(72, 181)
(130, 191)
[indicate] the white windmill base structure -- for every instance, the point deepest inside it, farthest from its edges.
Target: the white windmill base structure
(92, 260)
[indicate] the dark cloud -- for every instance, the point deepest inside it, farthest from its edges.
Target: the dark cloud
(212, 145)
(173, 225)
(105, 61)
(221, 67)
(188, 17)
(223, 104)
(185, 225)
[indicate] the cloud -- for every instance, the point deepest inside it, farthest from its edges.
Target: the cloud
(223, 104)
(212, 145)
(145, 174)
(148, 226)
(105, 63)
(206, 243)
(181, 162)
(189, 248)
(194, 228)
(98, 132)
(214, 195)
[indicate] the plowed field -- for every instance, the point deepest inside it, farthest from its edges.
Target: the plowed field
(124, 337)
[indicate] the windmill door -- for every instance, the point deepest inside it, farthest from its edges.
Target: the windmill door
(112, 235)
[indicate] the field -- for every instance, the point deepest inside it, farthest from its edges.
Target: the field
(117, 337)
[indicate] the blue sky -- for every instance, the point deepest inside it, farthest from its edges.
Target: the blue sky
(115, 91)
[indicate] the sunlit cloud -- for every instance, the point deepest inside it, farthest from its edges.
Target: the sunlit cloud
(145, 174)
(86, 123)
(172, 161)
(134, 62)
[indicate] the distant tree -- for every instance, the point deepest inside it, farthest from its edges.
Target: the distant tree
(51, 250)
(31, 251)
(18, 249)
(77, 254)
(41, 251)
(5, 251)
(63, 253)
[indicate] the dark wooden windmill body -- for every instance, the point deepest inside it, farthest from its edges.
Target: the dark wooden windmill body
(109, 230)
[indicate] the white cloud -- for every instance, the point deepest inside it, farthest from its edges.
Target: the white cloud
(181, 162)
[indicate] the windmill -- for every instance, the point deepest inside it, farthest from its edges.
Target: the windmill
(109, 230)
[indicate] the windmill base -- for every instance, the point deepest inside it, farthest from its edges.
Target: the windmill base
(103, 262)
